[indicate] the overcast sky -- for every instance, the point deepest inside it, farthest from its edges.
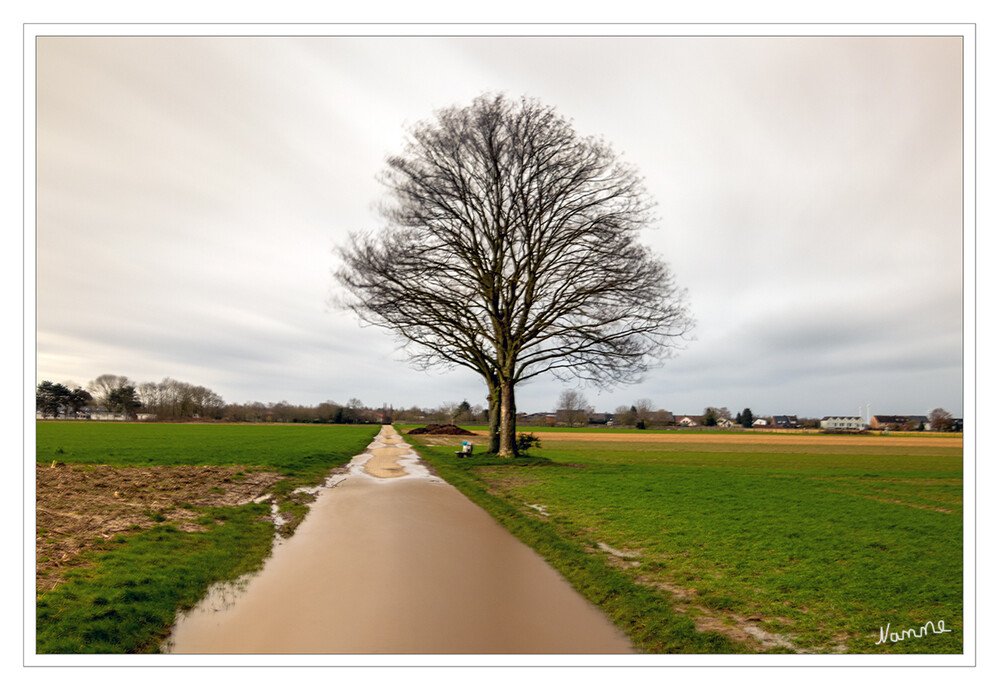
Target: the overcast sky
(190, 193)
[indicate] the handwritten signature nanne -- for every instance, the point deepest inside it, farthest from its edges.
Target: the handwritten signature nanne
(928, 627)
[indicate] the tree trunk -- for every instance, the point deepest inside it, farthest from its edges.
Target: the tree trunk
(494, 418)
(508, 421)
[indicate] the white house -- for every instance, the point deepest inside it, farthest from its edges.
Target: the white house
(847, 423)
(761, 422)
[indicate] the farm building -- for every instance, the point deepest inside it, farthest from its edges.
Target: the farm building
(850, 423)
(896, 422)
(536, 419)
(581, 417)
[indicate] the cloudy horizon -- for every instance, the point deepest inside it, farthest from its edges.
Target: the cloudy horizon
(191, 191)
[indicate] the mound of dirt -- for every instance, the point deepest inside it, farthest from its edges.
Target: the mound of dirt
(442, 430)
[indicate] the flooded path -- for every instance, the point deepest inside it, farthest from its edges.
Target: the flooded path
(396, 561)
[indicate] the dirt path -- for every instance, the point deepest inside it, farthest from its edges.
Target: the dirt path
(396, 561)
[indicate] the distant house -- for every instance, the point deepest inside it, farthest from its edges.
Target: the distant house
(575, 417)
(537, 419)
(578, 418)
(843, 423)
(690, 420)
(761, 422)
(786, 421)
(108, 417)
(725, 423)
(895, 422)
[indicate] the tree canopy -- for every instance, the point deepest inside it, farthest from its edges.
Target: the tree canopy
(511, 249)
(941, 420)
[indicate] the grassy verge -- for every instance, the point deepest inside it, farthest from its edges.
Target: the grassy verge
(642, 613)
(127, 601)
(787, 548)
(125, 591)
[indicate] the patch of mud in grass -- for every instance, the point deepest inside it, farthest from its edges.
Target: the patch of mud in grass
(83, 507)
(756, 632)
(743, 630)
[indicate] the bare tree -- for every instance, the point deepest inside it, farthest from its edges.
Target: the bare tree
(661, 418)
(449, 411)
(511, 249)
(625, 416)
(716, 415)
(149, 396)
(572, 408)
(105, 389)
(941, 420)
(644, 409)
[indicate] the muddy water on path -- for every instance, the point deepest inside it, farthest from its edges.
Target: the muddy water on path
(396, 561)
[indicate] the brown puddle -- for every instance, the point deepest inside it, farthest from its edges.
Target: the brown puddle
(398, 563)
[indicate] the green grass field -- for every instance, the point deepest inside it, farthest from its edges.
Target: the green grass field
(125, 598)
(303, 453)
(812, 547)
(690, 545)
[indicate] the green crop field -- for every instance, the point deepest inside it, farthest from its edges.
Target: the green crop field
(121, 592)
(781, 544)
(302, 452)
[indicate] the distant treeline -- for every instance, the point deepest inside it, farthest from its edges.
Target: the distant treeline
(118, 397)
(111, 396)
(354, 412)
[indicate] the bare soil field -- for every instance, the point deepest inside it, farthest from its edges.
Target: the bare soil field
(78, 505)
